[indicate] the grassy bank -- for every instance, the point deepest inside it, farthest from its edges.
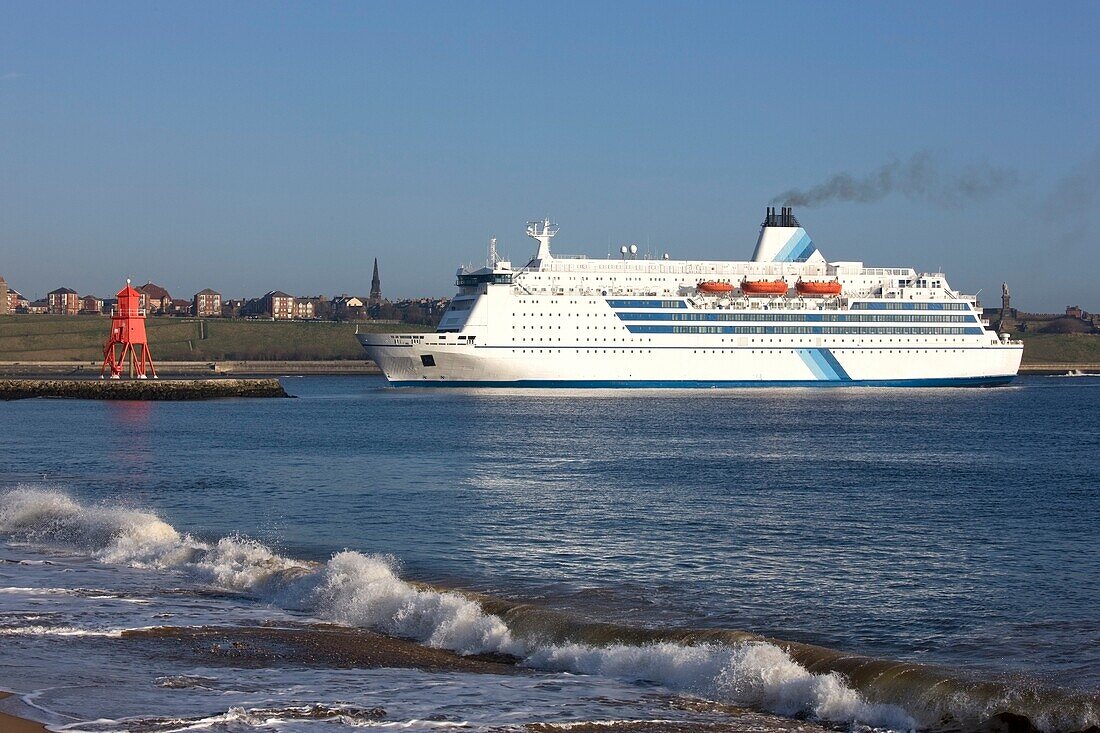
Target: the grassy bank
(81, 338)
(1058, 348)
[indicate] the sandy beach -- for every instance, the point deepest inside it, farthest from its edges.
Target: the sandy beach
(14, 724)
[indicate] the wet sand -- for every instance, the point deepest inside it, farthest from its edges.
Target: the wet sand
(13, 724)
(322, 645)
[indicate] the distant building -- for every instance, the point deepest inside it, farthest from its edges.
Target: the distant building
(375, 298)
(303, 308)
(38, 306)
(207, 303)
(179, 307)
(63, 302)
(322, 306)
(90, 305)
(233, 307)
(16, 302)
(278, 305)
(1074, 311)
(5, 305)
(349, 308)
(154, 298)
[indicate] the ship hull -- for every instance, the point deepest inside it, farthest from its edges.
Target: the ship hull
(442, 361)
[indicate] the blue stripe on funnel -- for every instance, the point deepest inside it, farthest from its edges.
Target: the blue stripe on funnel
(798, 248)
(795, 243)
(807, 250)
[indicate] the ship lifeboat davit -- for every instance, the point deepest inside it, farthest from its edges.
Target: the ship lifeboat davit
(764, 287)
(713, 286)
(817, 287)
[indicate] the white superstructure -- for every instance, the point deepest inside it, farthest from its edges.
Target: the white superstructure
(630, 322)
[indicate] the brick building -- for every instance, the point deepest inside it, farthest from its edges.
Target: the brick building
(90, 305)
(16, 302)
(303, 308)
(278, 305)
(63, 302)
(233, 307)
(155, 299)
(207, 303)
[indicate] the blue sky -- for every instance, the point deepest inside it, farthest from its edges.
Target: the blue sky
(251, 146)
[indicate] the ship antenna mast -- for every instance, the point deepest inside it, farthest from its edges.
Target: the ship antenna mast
(493, 259)
(542, 231)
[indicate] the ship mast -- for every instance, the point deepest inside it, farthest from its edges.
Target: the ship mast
(493, 259)
(542, 231)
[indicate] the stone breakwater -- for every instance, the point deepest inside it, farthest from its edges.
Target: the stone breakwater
(133, 389)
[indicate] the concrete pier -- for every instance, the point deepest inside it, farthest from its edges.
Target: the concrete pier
(135, 389)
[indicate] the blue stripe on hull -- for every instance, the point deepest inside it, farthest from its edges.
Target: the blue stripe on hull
(830, 359)
(994, 381)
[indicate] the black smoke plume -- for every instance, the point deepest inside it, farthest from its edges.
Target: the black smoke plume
(919, 178)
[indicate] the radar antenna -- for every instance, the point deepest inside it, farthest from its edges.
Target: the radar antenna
(542, 231)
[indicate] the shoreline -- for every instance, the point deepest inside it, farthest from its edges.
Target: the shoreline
(10, 723)
(1046, 369)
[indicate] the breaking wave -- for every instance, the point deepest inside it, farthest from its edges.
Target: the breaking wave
(365, 591)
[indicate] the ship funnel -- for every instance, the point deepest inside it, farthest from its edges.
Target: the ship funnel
(782, 239)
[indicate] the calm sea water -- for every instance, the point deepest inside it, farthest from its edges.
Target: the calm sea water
(953, 527)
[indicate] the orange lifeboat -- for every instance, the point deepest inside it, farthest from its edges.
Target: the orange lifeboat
(713, 286)
(764, 287)
(817, 287)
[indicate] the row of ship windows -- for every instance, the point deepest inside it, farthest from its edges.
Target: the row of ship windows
(765, 317)
(654, 303)
(886, 305)
(782, 341)
(769, 352)
(907, 306)
(680, 304)
(809, 317)
(585, 277)
(816, 330)
(567, 315)
(830, 330)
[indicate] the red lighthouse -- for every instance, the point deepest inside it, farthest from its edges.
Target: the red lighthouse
(127, 331)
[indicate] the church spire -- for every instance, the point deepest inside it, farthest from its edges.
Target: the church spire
(375, 286)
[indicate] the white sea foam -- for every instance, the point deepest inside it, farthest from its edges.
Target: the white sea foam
(365, 591)
(361, 590)
(36, 630)
(111, 533)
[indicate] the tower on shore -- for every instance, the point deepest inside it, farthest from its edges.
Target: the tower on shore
(1007, 321)
(375, 287)
(128, 333)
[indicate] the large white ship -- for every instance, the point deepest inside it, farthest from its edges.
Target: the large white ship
(787, 317)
